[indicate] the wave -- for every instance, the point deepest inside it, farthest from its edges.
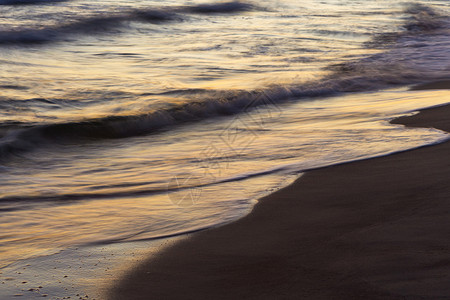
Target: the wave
(13, 87)
(222, 104)
(90, 26)
(421, 19)
(220, 8)
(28, 2)
(141, 190)
(101, 24)
(400, 64)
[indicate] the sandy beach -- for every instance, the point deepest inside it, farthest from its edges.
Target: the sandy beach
(371, 229)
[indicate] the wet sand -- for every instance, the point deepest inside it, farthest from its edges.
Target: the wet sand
(371, 229)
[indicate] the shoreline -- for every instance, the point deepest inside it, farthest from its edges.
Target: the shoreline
(370, 229)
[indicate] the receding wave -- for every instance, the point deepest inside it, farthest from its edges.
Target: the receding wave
(101, 24)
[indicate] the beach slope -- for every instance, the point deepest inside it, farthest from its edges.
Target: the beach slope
(371, 229)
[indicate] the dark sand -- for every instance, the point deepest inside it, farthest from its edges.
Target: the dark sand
(372, 229)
